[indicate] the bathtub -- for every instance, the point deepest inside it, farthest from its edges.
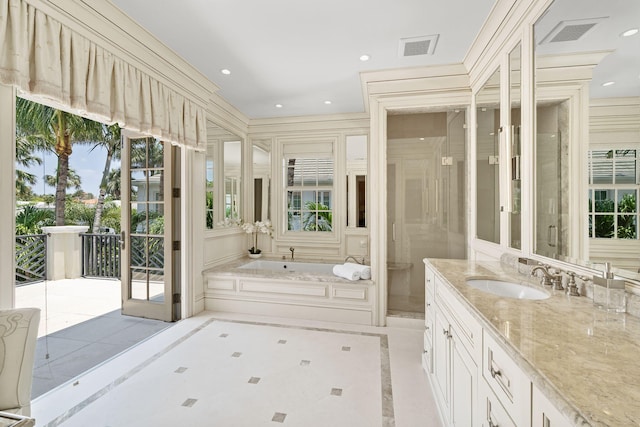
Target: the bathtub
(289, 267)
(305, 290)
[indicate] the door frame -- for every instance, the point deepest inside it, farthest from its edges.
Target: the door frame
(160, 310)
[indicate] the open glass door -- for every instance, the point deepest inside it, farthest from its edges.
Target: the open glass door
(146, 250)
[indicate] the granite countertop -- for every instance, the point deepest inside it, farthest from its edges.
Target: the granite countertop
(232, 270)
(585, 360)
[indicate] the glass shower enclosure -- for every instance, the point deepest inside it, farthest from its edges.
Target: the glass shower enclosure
(426, 212)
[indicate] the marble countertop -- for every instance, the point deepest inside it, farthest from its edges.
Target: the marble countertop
(585, 360)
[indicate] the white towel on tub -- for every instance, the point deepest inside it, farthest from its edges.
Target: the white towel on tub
(364, 270)
(345, 272)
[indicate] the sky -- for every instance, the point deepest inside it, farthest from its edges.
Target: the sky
(87, 164)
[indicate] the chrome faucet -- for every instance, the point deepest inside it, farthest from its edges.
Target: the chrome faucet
(355, 259)
(549, 279)
(292, 249)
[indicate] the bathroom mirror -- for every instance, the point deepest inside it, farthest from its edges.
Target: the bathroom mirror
(487, 160)
(356, 180)
(515, 99)
(261, 179)
(223, 174)
(586, 195)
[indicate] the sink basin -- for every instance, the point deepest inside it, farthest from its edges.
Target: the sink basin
(507, 289)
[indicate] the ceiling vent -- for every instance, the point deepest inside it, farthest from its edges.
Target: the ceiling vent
(414, 46)
(570, 31)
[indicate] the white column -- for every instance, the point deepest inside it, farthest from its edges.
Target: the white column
(64, 251)
(7, 195)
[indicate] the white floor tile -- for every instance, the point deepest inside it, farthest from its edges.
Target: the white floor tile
(187, 375)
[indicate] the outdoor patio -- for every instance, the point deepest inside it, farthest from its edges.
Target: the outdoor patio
(81, 327)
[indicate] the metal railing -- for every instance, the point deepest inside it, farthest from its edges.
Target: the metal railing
(31, 258)
(100, 255)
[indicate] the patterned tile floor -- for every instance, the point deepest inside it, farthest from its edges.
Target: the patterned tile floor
(214, 370)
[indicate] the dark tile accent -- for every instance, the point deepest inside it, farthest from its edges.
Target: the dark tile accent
(236, 354)
(282, 341)
(254, 380)
(279, 417)
(180, 370)
(346, 348)
(336, 392)
(305, 362)
(224, 335)
(189, 402)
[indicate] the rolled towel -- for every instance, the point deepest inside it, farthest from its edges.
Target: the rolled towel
(346, 272)
(364, 270)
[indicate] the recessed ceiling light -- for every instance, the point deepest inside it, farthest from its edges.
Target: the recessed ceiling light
(630, 32)
(608, 84)
(364, 58)
(327, 102)
(278, 105)
(225, 71)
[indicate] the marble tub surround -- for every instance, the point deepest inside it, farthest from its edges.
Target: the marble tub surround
(300, 294)
(232, 269)
(583, 359)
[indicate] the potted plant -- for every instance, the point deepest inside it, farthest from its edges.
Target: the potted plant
(255, 228)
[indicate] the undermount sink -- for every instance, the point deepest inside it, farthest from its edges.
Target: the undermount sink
(507, 289)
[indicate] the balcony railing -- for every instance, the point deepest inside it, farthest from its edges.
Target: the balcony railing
(31, 258)
(100, 255)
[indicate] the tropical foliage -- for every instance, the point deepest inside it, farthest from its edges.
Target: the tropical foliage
(31, 219)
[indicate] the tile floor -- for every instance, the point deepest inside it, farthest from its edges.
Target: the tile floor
(239, 370)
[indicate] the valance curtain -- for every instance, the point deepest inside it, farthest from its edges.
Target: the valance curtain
(42, 57)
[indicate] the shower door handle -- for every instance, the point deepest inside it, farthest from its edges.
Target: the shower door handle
(393, 232)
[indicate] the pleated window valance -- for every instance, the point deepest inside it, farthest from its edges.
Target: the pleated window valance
(42, 57)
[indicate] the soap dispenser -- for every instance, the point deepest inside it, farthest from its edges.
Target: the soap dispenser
(608, 292)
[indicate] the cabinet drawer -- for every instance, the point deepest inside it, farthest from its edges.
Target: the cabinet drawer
(492, 413)
(465, 325)
(505, 378)
(427, 356)
(429, 280)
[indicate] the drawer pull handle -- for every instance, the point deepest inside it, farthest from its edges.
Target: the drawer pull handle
(495, 372)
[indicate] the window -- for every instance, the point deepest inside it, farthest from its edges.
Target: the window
(613, 193)
(309, 193)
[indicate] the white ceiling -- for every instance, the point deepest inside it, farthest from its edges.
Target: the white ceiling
(613, 17)
(300, 53)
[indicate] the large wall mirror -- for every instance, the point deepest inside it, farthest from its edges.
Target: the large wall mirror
(223, 177)
(595, 43)
(487, 160)
(261, 179)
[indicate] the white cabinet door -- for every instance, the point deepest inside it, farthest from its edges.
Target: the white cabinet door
(544, 414)
(463, 386)
(441, 365)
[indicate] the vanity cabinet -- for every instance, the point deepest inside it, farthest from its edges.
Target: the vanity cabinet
(544, 414)
(455, 372)
(474, 379)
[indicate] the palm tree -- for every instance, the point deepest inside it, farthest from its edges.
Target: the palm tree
(73, 179)
(111, 142)
(25, 146)
(113, 184)
(58, 131)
